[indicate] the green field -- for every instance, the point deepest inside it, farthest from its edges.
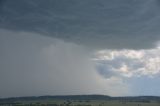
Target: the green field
(81, 100)
(80, 103)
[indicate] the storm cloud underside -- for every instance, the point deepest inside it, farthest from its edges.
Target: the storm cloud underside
(97, 24)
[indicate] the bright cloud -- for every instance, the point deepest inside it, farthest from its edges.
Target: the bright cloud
(128, 63)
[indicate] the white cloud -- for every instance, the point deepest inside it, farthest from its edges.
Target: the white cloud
(128, 63)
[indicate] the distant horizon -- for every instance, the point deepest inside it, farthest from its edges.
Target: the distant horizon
(76, 95)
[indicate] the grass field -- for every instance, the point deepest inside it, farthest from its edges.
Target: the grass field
(81, 103)
(81, 100)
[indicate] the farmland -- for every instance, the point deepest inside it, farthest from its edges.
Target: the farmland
(81, 100)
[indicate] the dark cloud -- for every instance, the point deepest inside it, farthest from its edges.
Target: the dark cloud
(98, 24)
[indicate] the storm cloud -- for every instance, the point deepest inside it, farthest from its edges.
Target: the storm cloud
(63, 47)
(114, 24)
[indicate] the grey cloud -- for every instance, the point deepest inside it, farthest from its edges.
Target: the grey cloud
(110, 68)
(106, 71)
(112, 24)
(33, 65)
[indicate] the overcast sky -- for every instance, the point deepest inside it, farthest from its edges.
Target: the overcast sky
(69, 47)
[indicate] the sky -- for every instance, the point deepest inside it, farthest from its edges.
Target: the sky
(75, 47)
